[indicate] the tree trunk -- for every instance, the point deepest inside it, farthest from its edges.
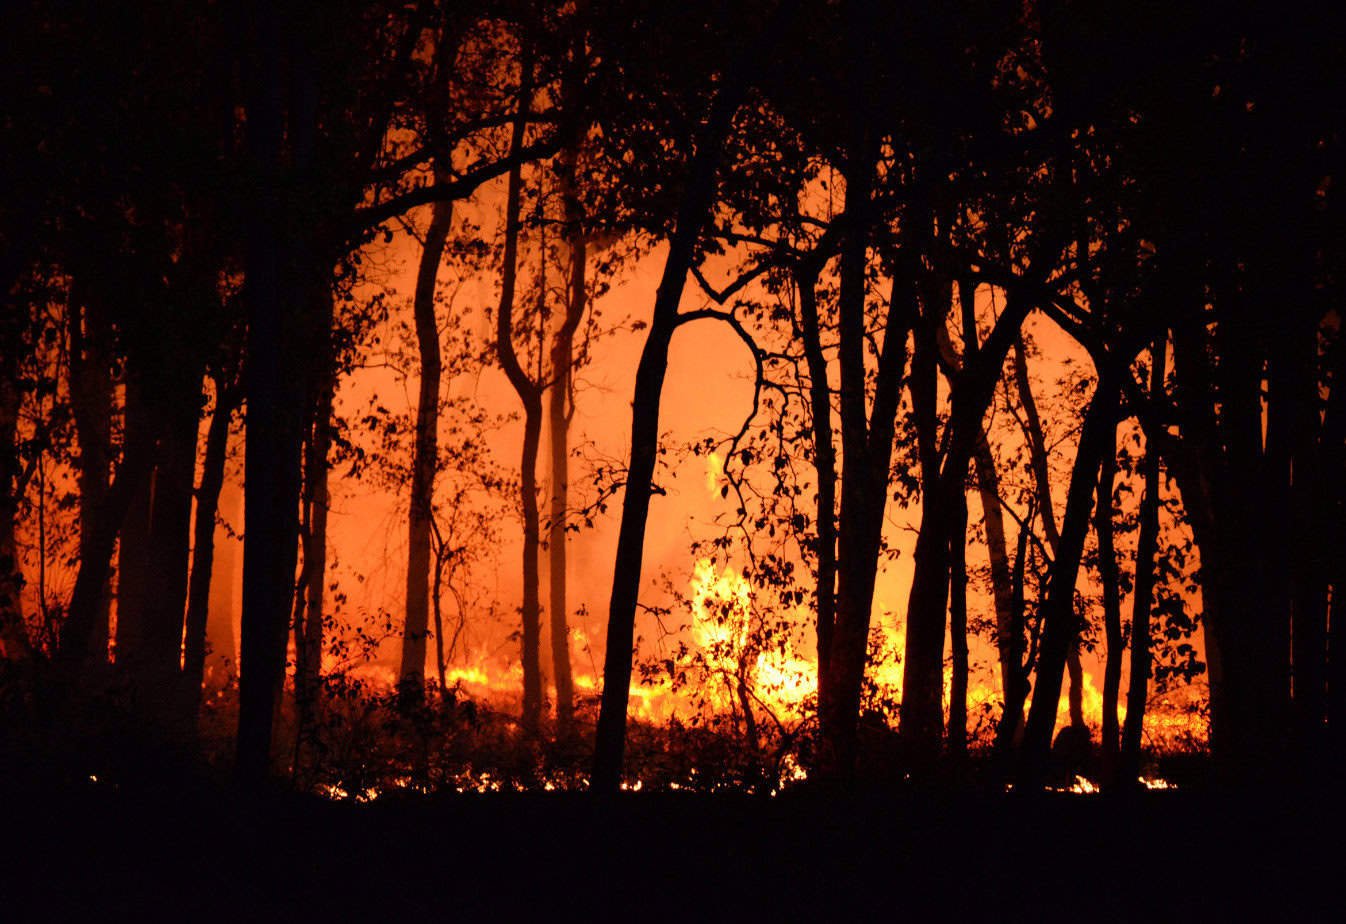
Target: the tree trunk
(1006, 584)
(558, 420)
(276, 393)
(203, 551)
(867, 444)
(695, 208)
(971, 393)
(1060, 621)
(91, 402)
(315, 501)
(530, 395)
(155, 551)
(825, 465)
(1308, 509)
(80, 636)
(1227, 486)
(1112, 609)
(1002, 582)
(426, 460)
(1037, 446)
(958, 630)
(14, 641)
(923, 674)
(134, 574)
(1333, 449)
(1147, 543)
(1020, 660)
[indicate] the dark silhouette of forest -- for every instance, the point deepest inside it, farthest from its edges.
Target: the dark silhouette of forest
(1051, 289)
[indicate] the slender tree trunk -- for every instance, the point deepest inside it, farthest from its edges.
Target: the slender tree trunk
(1006, 583)
(426, 460)
(923, 674)
(997, 550)
(91, 401)
(316, 500)
(203, 548)
(437, 609)
(80, 635)
(988, 491)
(867, 444)
(1112, 610)
(697, 200)
(1020, 662)
(134, 574)
(1037, 445)
(825, 465)
(1334, 520)
(1147, 542)
(530, 395)
(971, 394)
(1060, 621)
(1308, 509)
(958, 629)
(558, 419)
(14, 641)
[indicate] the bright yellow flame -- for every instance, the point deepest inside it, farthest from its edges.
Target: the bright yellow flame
(722, 630)
(714, 473)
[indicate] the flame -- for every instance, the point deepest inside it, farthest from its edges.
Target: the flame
(714, 474)
(723, 630)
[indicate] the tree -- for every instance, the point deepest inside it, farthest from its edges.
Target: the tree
(426, 453)
(693, 211)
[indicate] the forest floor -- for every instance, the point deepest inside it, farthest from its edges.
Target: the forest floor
(206, 852)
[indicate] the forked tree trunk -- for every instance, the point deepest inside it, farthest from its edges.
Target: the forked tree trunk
(971, 394)
(988, 491)
(866, 444)
(530, 395)
(1147, 543)
(1037, 446)
(1060, 621)
(411, 674)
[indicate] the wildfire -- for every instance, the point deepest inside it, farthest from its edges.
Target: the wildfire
(714, 473)
(736, 650)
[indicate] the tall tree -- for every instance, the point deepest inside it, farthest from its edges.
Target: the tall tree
(559, 409)
(693, 211)
(1143, 586)
(530, 395)
(426, 453)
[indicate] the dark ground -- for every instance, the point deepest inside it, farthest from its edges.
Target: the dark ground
(206, 853)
